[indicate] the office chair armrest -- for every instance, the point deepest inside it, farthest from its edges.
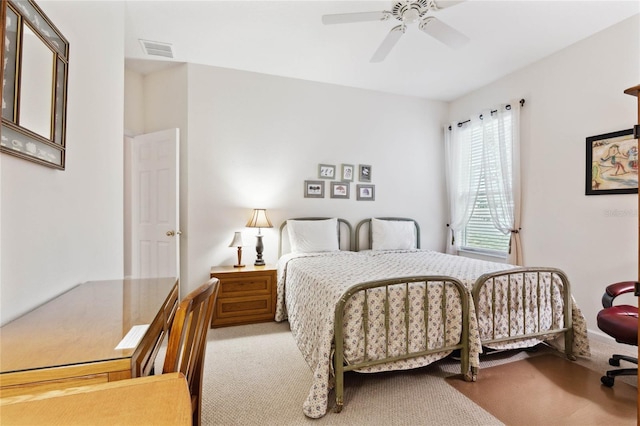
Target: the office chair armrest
(616, 289)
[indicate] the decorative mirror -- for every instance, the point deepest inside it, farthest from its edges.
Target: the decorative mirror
(35, 62)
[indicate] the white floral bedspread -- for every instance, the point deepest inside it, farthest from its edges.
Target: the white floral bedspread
(309, 286)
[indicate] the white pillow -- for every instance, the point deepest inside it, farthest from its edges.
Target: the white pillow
(392, 234)
(307, 236)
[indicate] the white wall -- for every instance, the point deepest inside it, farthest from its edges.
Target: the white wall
(253, 139)
(571, 95)
(133, 103)
(61, 228)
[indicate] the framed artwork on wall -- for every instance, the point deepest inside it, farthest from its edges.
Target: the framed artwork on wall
(366, 192)
(612, 164)
(364, 173)
(313, 189)
(340, 190)
(326, 171)
(347, 172)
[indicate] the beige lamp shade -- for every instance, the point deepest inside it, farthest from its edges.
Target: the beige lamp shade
(259, 219)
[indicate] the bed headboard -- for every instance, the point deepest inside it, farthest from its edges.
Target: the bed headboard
(363, 232)
(345, 234)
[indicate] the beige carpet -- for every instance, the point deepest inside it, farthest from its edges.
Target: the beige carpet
(549, 390)
(255, 375)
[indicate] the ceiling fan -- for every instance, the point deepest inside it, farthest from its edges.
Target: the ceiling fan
(407, 12)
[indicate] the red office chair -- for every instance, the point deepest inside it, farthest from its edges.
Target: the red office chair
(621, 323)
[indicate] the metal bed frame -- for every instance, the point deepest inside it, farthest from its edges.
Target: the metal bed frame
(342, 239)
(370, 234)
(543, 279)
(533, 274)
(341, 364)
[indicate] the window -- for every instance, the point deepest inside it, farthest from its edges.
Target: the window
(480, 233)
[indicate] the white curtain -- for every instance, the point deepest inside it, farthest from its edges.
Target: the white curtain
(500, 167)
(462, 184)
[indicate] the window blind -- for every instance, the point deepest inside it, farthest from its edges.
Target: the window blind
(480, 234)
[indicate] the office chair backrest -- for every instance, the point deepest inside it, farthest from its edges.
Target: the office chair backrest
(188, 340)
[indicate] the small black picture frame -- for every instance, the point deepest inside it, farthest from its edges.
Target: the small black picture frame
(364, 173)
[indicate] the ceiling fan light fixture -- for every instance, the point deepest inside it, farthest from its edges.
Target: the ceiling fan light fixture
(411, 16)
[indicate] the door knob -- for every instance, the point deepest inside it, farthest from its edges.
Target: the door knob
(172, 233)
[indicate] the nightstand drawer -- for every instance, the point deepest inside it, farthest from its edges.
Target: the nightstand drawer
(245, 295)
(240, 286)
(236, 310)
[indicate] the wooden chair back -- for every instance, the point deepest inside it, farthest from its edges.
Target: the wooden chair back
(188, 340)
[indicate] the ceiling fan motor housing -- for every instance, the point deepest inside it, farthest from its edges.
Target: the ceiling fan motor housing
(410, 11)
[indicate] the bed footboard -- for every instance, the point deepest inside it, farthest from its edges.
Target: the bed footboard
(523, 306)
(420, 316)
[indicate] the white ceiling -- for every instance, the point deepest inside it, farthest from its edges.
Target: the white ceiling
(287, 38)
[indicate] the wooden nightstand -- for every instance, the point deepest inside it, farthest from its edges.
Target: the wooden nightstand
(246, 295)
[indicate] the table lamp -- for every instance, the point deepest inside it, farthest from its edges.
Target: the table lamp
(237, 242)
(259, 220)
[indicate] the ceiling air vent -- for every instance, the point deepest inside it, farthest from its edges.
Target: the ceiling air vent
(156, 48)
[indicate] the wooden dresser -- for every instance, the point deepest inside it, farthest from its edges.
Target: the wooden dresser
(71, 340)
(246, 295)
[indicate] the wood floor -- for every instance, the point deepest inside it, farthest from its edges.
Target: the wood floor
(550, 390)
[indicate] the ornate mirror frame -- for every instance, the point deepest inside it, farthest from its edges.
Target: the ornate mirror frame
(46, 147)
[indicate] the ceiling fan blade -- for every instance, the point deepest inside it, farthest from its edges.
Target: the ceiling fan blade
(443, 4)
(347, 18)
(443, 32)
(387, 44)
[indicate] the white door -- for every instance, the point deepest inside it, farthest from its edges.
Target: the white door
(155, 233)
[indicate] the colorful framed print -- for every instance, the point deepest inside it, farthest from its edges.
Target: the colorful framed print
(612, 164)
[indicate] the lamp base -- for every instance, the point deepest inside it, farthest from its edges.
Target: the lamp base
(239, 264)
(259, 248)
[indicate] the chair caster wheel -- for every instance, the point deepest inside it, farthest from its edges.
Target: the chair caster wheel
(614, 362)
(607, 381)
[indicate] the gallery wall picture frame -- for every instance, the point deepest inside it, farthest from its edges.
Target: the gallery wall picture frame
(313, 189)
(365, 192)
(326, 171)
(364, 173)
(340, 190)
(612, 163)
(347, 172)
